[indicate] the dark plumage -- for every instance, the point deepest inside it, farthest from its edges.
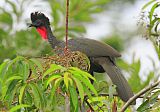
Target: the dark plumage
(100, 54)
(38, 15)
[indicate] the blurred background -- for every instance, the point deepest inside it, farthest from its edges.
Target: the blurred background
(115, 22)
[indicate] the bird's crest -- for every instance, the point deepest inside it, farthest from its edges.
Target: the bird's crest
(38, 15)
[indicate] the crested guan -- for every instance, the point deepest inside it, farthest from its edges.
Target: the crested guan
(101, 55)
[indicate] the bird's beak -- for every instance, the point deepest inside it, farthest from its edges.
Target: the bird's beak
(30, 25)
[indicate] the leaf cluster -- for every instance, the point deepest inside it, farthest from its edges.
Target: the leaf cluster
(25, 85)
(150, 21)
(151, 104)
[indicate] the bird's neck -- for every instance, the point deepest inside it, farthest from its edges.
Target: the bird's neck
(51, 38)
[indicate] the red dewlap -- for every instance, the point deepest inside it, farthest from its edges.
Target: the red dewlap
(43, 32)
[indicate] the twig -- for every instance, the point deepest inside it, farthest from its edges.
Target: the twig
(89, 105)
(106, 94)
(100, 108)
(143, 91)
(67, 11)
(62, 94)
(13, 103)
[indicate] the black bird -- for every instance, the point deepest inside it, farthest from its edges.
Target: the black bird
(100, 54)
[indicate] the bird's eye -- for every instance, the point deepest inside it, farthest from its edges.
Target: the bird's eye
(39, 22)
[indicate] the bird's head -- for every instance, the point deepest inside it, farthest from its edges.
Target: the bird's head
(40, 22)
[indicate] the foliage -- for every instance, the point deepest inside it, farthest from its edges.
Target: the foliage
(115, 41)
(24, 83)
(80, 12)
(150, 21)
(152, 103)
(133, 69)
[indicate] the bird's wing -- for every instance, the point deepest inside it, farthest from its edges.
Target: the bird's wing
(92, 48)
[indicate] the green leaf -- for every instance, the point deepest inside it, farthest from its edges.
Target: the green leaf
(136, 84)
(54, 88)
(152, 11)
(87, 91)
(6, 18)
(75, 70)
(101, 2)
(14, 78)
(83, 17)
(28, 97)
(153, 22)
(4, 69)
(157, 51)
(147, 4)
(25, 70)
(18, 58)
(21, 94)
(96, 10)
(156, 105)
(37, 63)
(78, 29)
(149, 102)
(71, 81)
(4, 91)
(73, 97)
(156, 28)
(87, 83)
(51, 78)
(53, 68)
(38, 98)
(123, 65)
(149, 77)
(56, 84)
(17, 107)
(11, 91)
(80, 88)
(66, 75)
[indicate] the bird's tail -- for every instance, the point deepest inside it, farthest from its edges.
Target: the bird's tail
(123, 89)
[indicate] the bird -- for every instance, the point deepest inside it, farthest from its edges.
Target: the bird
(101, 56)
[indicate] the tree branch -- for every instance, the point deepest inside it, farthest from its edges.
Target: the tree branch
(67, 14)
(106, 94)
(89, 105)
(143, 91)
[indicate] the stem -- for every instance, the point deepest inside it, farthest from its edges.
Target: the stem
(67, 14)
(143, 91)
(116, 95)
(67, 103)
(92, 110)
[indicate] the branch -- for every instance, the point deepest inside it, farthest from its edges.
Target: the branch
(67, 11)
(92, 110)
(143, 91)
(116, 95)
